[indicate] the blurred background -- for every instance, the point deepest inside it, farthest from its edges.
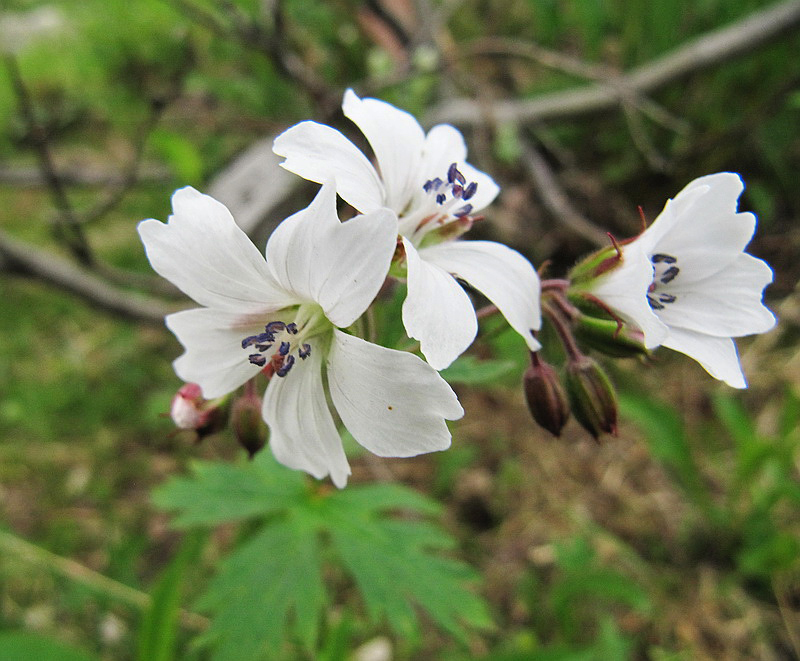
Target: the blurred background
(678, 539)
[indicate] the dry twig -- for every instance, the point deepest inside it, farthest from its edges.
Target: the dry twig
(710, 49)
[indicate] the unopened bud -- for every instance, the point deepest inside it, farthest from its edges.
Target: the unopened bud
(593, 266)
(592, 396)
(189, 410)
(619, 340)
(246, 423)
(545, 395)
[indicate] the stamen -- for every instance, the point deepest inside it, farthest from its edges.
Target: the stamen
(286, 351)
(654, 304)
(287, 365)
(667, 298)
(669, 274)
(257, 359)
(661, 257)
(470, 190)
(448, 193)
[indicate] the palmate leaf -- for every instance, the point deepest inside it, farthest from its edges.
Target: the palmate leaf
(268, 586)
(270, 589)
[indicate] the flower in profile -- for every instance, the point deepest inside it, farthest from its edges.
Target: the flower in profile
(686, 281)
(426, 181)
(284, 316)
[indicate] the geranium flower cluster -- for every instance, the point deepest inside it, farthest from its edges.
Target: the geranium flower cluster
(293, 318)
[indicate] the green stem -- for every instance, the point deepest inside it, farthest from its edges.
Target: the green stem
(75, 571)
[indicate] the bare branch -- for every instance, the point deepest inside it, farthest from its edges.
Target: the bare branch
(18, 257)
(556, 200)
(708, 50)
(69, 226)
(30, 176)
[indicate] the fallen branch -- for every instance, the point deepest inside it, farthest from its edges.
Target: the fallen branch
(20, 258)
(555, 200)
(705, 51)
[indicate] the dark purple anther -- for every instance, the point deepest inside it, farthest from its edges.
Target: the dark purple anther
(305, 351)
(251, 339)
(291, 328)
(274, 326)
(661, 257)
(669, 274)
(464, 211)
(667, 298)
(470, 190)
(458, 190)
(287, 365)
(263, 347)
(257, 359)
(451, 173)
(284, 348)
(440, 198)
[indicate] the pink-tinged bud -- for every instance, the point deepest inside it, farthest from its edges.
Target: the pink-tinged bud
(594, 265)
(612, 338)
(190, 411)
(592, 396)
(246, 423)
(545, 395)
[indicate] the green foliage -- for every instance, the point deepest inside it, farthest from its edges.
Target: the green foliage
(272, 584)
(158, 633)
(746, 524)
(21, 646)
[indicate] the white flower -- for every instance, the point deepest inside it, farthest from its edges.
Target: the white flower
(687, 282)
(283, 315)
(427, 182)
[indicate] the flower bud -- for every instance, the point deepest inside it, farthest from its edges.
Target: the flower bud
(545, 395)
(189, 410)
(609, 338)
(246, 423)
(594, 265)
(592, 396)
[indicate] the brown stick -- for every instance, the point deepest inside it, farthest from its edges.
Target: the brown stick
(705, 51)
(17, 257)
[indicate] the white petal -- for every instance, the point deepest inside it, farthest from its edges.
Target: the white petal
(302, 433)
(501, 274)
(340, 266)
(437, 311)
(392, 402)
(214, 358)
(397, 140)
(203, 252)
(701, 226)
(624, 289)
(444, 145)
(717, 355)
(319, 153)
(726, 304)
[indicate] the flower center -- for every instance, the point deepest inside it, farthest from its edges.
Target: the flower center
(665, 271)
(281, 343)
(453, 191)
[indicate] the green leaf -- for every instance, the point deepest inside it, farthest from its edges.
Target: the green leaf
(159, 630)
(471, 371)
(397, 564)
(271, 587)
(273, 577)
(24, 646)
(221, 492)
